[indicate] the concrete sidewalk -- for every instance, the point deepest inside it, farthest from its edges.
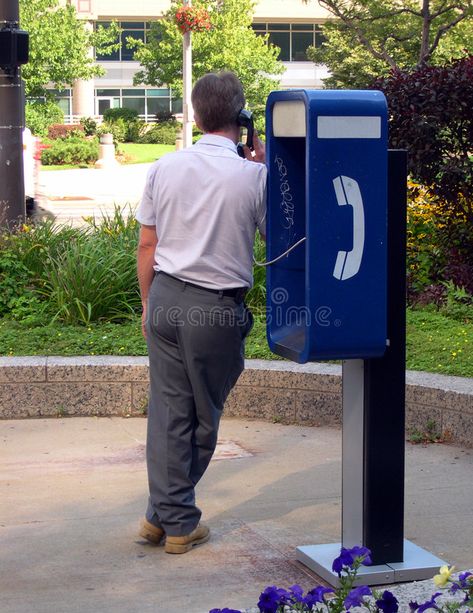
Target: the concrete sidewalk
(73, 491)
(69, 195)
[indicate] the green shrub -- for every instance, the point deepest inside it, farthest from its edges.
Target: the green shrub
(458, 303)
(116, 129)
(95, 278)
(439, 248)
(40, 115)
(89, 125)
(256, 298)
(76, 275)
(113, 115)
(33, 244)
(134, 131)
(128, 121)
(71, 151)
(14, 278)
(196, 134)
(163, 133)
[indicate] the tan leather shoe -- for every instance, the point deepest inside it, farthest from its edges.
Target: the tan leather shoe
(181, 544)
(151, 533)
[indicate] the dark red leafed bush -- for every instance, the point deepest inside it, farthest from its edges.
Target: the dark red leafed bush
(59, 130)
(431, 115)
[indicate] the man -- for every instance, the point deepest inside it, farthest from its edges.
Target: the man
(199, 213)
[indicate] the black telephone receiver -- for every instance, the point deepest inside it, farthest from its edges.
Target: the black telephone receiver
(245, 120)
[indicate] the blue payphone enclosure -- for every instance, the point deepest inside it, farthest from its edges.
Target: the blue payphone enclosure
(327, 181)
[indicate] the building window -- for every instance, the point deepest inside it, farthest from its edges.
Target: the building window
(148, 102)
(63, 98)
(292, 38)
(130, 29)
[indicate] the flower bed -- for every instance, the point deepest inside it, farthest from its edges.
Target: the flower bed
(346, 597)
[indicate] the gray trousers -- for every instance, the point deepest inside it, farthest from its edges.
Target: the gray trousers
(196, 351)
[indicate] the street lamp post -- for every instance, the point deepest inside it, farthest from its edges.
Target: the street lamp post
(187, 85)
(13, 53)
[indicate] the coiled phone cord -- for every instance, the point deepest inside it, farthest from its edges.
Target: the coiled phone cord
(280, 257)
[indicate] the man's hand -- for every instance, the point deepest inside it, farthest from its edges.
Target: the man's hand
(259, 153)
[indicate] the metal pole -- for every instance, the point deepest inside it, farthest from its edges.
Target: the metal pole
(384, 402)
(12, 189)
(187, 85)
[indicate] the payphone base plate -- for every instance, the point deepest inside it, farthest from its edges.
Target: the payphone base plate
(418, 565)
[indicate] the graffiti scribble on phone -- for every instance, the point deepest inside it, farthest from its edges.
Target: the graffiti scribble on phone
(287, 204)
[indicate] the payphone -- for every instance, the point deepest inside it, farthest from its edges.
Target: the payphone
(327, 158)
(336, 232)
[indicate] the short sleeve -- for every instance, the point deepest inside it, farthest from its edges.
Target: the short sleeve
(260, 217)
(146, 212)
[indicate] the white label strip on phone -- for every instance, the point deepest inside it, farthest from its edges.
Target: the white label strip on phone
(348, 127)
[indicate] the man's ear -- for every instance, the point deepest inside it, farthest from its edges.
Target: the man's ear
(197, 122)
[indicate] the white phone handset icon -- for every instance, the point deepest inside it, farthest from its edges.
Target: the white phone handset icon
(348, 263)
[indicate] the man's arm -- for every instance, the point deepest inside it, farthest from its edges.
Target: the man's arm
(145, 262)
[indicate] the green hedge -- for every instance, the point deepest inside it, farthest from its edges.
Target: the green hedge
(71, 151)
(163, 133)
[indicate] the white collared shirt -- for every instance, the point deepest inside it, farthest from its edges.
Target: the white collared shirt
(206, 203)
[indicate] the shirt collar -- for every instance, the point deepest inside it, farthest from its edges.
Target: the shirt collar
(218, 141)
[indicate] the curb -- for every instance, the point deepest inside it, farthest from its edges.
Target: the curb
(279, 391)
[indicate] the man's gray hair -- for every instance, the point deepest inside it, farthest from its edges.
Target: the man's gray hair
(217, 99)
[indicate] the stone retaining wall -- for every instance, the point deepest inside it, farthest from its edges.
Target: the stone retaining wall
(273, 390)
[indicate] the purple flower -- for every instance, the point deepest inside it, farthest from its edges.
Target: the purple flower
(455, 587)
(224, 611)
(362, 552)
(344, 559)
(388, 603)
(296, 593)
(317, 595)
(355, 597)
(347, 558)
(429, 604)
(463, 581)
(271, 599)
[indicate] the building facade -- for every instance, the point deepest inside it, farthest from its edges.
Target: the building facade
(291, 24)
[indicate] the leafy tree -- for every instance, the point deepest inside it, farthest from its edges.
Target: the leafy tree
(368, 38)
(230, 44)
(60, 45)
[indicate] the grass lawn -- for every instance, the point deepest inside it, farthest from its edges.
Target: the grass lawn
(135, 153)
(435, 343)
(141, 154)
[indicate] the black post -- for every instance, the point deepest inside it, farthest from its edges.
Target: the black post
(384, 396)
(13, 53)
